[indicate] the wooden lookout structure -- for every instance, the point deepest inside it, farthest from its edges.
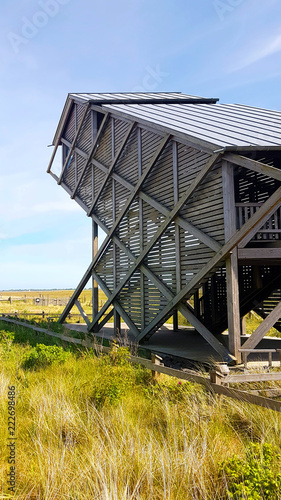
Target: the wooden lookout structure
(188, 193)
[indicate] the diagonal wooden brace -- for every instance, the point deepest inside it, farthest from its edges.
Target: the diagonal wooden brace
(254, 221)
(107, 240)
(188, 193)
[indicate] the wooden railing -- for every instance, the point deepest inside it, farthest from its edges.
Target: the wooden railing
(270, 231)
(217, 382)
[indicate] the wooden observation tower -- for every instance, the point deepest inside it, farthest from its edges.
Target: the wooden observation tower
(188, 193)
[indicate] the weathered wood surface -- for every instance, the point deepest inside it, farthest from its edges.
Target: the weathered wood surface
(160, 248)
(263, 328)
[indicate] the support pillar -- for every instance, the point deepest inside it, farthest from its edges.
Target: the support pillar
(232, 285)
(233, 309)
(117, 323)
(175, 321)
(95, 290)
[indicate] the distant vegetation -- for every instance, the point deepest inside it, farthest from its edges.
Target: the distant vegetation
(28, 305)
(99, 428)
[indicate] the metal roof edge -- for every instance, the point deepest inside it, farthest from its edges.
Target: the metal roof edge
(188, 100)
(252, 148)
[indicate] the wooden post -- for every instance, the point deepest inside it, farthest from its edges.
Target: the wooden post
(215, 377)
(95, 290)
(157, 361)
(175, 321)
(233, 309)
(270, 359)
(117, 323)
(177, 232)
(279, 355)
(243, 326)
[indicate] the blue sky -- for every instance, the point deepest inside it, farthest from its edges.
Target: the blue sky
(215, 48)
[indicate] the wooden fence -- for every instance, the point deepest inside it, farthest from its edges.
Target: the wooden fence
(39, 300)
(216, 382)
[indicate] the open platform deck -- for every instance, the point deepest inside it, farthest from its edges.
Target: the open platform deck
(185, 344)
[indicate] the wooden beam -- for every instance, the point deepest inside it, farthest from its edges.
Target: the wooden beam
(53, 156)
(111, 168)
(232, 286)
(263, 328)
(82, 312)
(213, 262)
(186, 225)
(144, 270)
(133, 328)
(95, 289)
(105, 319)
(206, 334)
(259, 253)
(254, 165)
(246, 397)
(73, 143)
(162, 228)
(233, 305)
(252, 377)
(59, 131)
(88, 159)
(117, 323)
(54, 175)
(107, 240)
(76, 149)
(177, 232)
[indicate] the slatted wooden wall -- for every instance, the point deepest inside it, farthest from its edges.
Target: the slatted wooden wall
(104, 177)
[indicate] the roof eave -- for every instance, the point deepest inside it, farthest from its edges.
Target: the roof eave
(65, 113)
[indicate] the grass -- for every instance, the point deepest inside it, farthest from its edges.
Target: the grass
(99, 428)
(23, 302)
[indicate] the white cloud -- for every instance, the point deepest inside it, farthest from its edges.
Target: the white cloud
(259, 51)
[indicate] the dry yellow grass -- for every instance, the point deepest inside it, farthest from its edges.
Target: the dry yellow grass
(25, 301)
(146, 442)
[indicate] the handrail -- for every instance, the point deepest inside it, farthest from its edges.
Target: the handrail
(270, 231)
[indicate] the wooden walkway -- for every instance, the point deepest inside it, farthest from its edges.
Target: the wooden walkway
(186, 343)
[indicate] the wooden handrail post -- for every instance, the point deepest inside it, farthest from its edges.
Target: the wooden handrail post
(216, 377)
(157, 361)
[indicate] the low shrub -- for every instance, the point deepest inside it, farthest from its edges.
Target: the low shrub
(255, 478)
(42, 355)
(6, 336)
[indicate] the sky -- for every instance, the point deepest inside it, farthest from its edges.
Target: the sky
(229, 49)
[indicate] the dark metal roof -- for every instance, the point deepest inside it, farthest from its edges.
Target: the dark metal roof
(143, 98)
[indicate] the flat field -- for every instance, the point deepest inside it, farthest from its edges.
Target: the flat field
(53, 302)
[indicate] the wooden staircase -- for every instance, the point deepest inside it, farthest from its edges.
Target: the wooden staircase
(259, 291)
(265, 308)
